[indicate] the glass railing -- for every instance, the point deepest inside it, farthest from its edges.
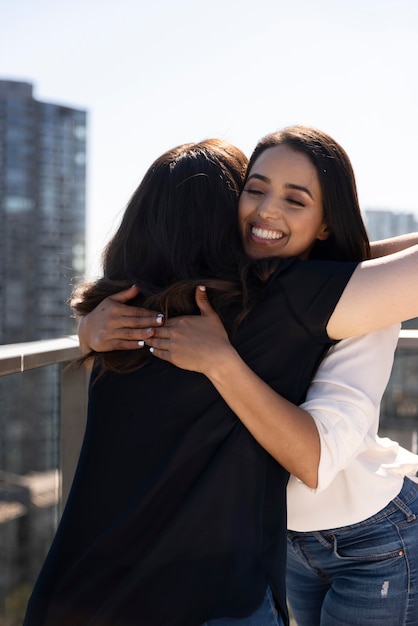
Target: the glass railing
(42, 417)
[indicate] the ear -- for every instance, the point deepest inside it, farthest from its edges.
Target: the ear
(323, 232)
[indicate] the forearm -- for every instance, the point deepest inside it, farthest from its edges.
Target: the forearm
(393, 244)
(199, 343)
(380, 292)
(287, 432)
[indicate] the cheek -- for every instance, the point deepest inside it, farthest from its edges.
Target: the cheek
(306, 225)
(242, 214)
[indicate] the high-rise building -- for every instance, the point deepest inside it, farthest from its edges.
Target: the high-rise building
(42, 212)
(384, 224)
(42, 217)
(42, 226)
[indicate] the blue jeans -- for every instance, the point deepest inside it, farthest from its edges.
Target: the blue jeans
(265, 615)
(360, 575)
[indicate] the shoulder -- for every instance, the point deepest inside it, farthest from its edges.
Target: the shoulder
(290, 271)
(312, 286)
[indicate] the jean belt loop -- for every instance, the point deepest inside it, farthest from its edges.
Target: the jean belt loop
(410, 516)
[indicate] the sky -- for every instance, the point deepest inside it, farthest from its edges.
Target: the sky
(157, 73)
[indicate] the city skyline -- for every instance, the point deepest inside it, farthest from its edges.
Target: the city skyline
(153, 76)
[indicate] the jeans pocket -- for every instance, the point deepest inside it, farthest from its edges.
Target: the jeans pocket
(378, 542)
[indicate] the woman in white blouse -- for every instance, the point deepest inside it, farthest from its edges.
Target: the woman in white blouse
(341, 564)
(345, 569)
(359, 474)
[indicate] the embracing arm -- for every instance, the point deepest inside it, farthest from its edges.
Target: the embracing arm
(319, 438)
(200, 343)
(391, 245)
(314, 441)
(287, 432)
(380, 292)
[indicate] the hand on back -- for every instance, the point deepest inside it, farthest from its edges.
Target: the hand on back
(114, 325)
(193, 342)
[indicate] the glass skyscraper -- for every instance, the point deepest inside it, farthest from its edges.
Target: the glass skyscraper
(42, 209)
(42, 242)
(42, 225)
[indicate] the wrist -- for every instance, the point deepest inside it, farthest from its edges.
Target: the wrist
(224, 365)
(84, 346)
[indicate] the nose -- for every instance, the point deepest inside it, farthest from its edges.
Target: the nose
(268, 209)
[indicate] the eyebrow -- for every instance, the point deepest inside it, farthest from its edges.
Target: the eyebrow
(265, 179)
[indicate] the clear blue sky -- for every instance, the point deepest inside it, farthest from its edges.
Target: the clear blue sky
(156, 73)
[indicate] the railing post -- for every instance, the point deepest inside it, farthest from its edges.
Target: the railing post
(74, 386)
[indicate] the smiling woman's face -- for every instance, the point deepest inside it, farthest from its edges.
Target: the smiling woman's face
(280, 209)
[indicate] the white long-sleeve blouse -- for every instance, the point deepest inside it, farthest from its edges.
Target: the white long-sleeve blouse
(359, 472)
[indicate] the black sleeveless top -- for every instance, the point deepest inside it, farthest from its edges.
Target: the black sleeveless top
(176, 514)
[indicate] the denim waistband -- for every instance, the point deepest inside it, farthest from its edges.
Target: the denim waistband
(400, 502)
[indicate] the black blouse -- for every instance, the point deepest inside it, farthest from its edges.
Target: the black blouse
(176, 514)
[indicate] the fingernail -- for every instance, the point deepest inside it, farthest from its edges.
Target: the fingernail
(141, 343)
(160, 318)
(151, 350)
(149, 331)
(202, 288)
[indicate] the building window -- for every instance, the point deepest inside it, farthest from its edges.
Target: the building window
(18, 204)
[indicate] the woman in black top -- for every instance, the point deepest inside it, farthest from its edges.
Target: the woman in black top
(194, 527)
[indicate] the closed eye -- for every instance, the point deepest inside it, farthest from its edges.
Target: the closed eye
(296, 202)
(254, 192)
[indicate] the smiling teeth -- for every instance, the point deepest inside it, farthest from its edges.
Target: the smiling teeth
(263, 233)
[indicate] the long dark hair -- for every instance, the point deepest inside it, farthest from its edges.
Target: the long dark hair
(348, 240)
(179, 230)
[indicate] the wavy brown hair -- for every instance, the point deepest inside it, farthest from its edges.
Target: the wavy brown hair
(178, 231)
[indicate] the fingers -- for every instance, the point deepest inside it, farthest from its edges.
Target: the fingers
(142, 320)
(144, 317)
(108, 328)
(202, 300)
(157, 344)
(115, 313)
(158, 347)
(125, 338)
(160, 354)
(126, 294)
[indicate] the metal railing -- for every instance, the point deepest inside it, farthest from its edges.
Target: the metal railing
(23, 515)
(22, 357)
(31, 501)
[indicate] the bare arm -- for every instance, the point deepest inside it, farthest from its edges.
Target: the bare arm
(200, 343)
(313, 441)
(393, 244)
(380, 292)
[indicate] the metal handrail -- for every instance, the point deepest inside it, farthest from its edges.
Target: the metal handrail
(20, 357)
